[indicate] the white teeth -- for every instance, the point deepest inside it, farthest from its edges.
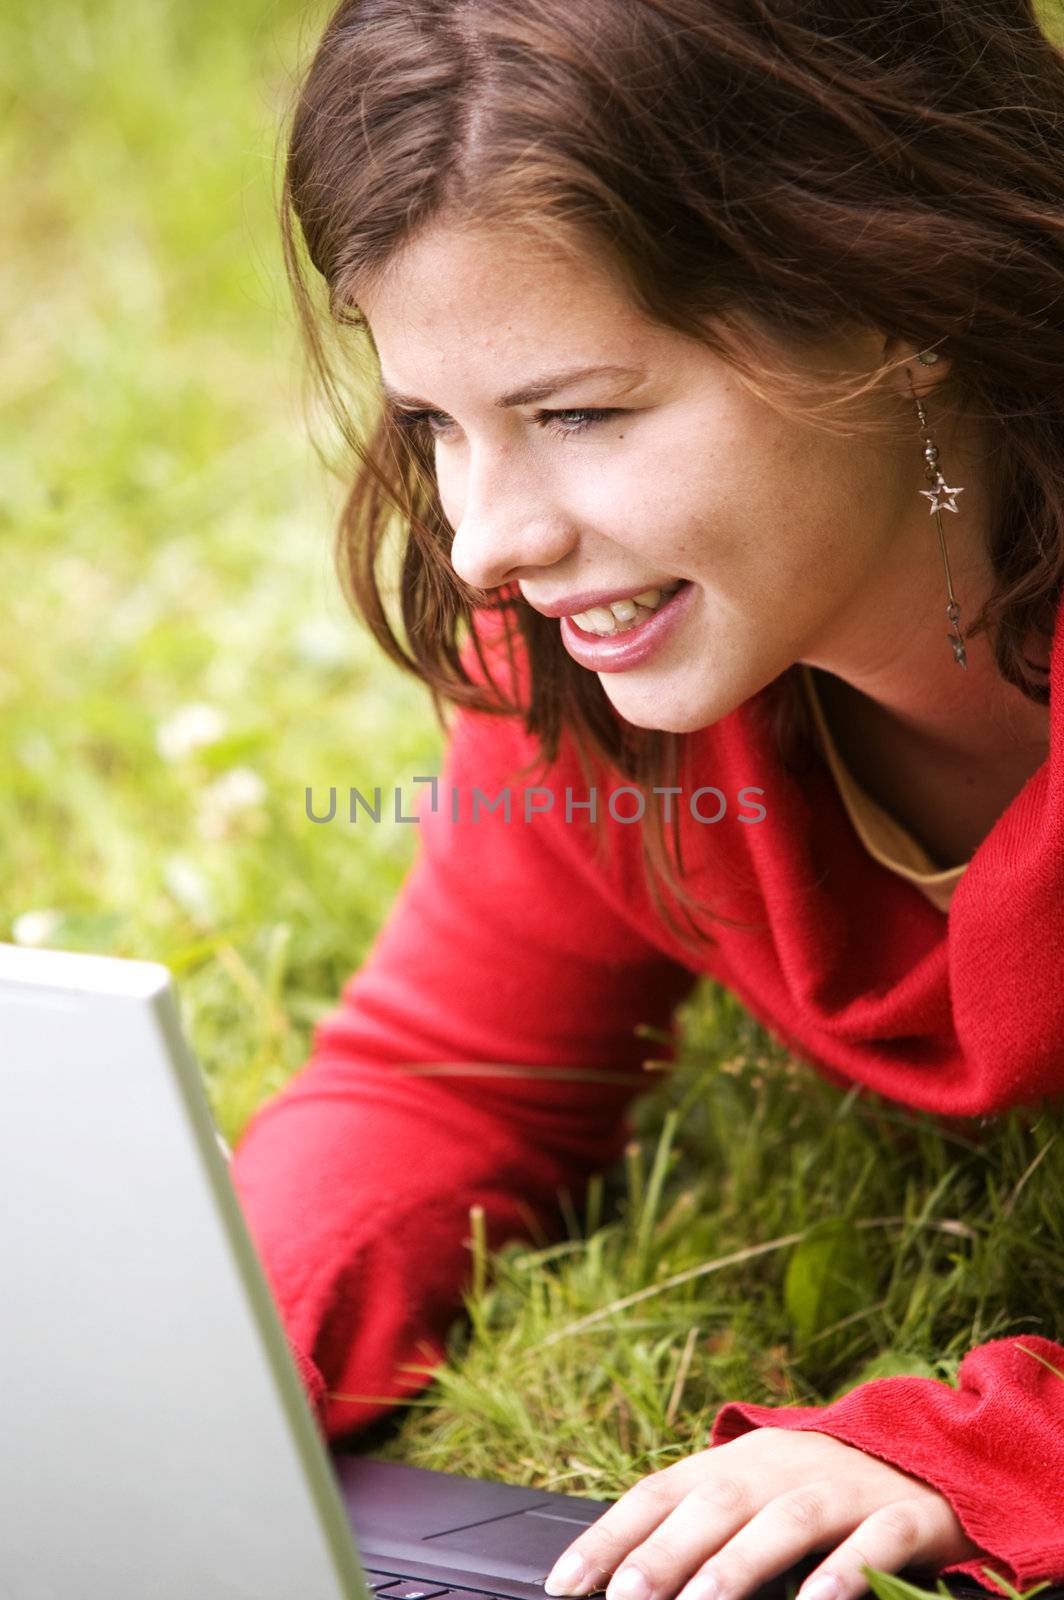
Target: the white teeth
(619, 615)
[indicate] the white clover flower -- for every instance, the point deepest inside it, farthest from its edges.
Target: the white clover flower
(189, 728)
(189, 886)
(36, 927)
(237, 791)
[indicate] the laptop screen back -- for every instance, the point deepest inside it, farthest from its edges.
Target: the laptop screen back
(156, 1442)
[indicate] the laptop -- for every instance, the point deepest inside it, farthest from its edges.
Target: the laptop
(155, 1439)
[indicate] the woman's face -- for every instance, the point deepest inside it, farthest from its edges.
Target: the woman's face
(657, 470)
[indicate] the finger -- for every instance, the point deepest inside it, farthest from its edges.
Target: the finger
(893, 1537)
(813, 1516)
(714, 1509)
(590, 1559)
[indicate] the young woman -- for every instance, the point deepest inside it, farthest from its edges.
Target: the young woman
(720, 347)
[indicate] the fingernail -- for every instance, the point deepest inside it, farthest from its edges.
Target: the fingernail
(825, 1587)
(566, 1575)
(628, 1584)
(702, 1587)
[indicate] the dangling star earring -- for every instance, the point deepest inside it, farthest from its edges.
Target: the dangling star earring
(942, 497)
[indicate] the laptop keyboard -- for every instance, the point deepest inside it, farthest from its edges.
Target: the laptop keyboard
(404, 1588)
(393, 1587)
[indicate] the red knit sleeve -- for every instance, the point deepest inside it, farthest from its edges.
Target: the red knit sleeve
(993, 1447)
(511, 948)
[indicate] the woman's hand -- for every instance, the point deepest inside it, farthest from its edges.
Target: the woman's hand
(724, 1521)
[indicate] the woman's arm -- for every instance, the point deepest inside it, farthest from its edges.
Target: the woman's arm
(993, 1447)
(509, 945)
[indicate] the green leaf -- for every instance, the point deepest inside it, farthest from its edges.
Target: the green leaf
(889, 1364)
(827, 1278)
(888, 1586)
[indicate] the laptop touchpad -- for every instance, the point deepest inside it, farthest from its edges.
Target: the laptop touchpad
(511, 1546)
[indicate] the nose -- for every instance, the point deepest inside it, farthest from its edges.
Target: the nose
(510, 524)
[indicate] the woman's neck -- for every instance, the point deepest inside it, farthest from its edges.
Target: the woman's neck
(948, 774)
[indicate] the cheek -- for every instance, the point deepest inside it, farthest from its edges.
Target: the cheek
(792, 506)
(701, 481)
(655, 494)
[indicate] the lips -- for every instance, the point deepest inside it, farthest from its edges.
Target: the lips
(621, 615)
(571, 605)
(634, 645)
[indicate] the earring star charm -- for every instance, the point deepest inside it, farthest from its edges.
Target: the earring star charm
(941, 496)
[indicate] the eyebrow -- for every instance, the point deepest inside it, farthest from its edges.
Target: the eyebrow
(541, 389)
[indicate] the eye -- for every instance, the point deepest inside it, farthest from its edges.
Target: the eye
(410, 421)
(561, 423)
(577, 421)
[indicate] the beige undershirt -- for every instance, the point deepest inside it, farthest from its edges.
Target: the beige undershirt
(883, 837)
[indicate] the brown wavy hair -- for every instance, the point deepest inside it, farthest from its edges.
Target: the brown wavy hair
(761, 174)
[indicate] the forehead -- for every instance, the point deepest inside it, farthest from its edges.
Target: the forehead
(502, 296)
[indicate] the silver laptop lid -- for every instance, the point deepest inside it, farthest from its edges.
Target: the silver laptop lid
(155, 1442)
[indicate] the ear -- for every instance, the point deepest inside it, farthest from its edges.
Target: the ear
(903, 356)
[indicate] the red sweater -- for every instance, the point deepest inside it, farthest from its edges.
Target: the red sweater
(520, 943)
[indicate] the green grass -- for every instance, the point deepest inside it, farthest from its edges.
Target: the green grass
(769, 1238)
(165, 540)
(164, 543)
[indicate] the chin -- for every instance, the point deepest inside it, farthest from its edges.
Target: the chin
(658, 713)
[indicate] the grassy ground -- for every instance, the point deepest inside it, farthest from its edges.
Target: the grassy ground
(166, 542)
(176, 665)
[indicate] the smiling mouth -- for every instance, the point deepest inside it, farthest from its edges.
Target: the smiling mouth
(622, 615)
